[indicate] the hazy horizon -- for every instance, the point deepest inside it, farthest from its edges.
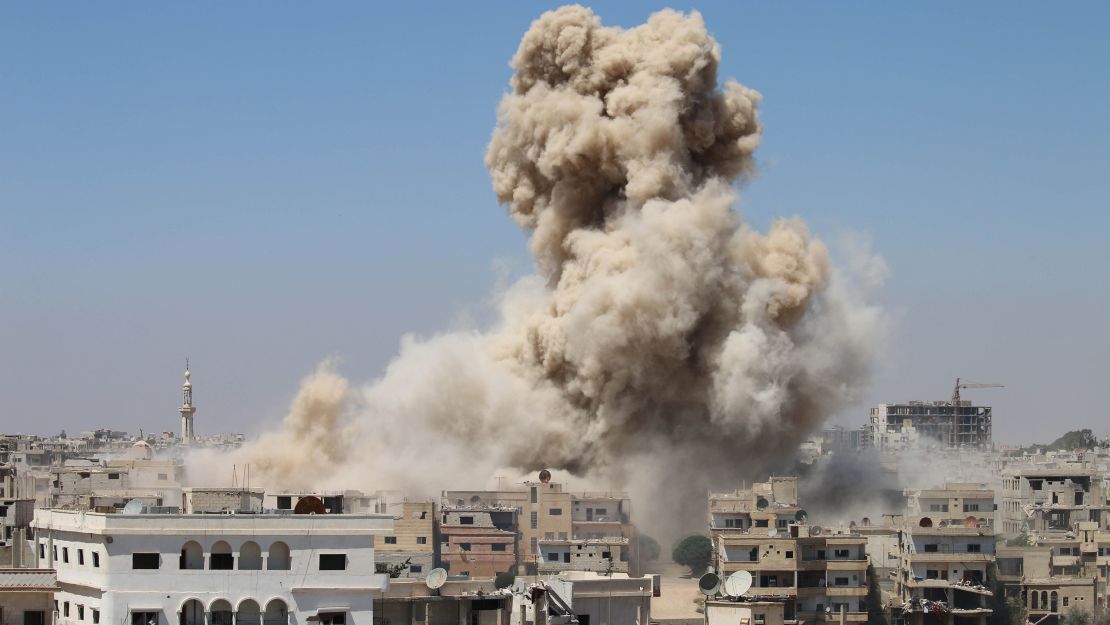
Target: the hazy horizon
(281, 185)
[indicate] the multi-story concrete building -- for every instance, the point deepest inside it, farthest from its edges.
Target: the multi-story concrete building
(478, 540)
(949, 423)
(1026, 573)
(413, 540)
(470, 602)
(808, 568)
(27, 596)
(547, 513)
(211, 569)
(948, 551)
(1053, 499)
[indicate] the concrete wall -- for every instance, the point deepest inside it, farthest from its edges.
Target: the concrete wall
(14, 604)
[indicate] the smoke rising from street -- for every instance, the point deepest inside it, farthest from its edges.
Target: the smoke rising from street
(664, 346)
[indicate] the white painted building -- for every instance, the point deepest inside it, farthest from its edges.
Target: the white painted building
(211, 569)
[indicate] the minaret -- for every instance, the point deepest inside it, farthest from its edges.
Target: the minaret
(187, 409)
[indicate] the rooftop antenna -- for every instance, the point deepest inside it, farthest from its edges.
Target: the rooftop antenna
(234, 476)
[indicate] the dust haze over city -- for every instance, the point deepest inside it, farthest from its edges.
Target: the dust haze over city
(813, 271)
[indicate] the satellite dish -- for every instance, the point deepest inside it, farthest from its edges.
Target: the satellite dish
(774, 531)
(310, 505)
(738, 583)
(436, 578)
(709, 584)
(925, 522)
(815, 530)
(761, 503)
(503, 579)
(971, 522)
(800, 516)
(942, 524)
(133, 507)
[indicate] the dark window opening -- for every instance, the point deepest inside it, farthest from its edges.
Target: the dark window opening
(220, 561)
(333, 562)
(466, 520)
(391, 540)
(145, 560)
(284, 503)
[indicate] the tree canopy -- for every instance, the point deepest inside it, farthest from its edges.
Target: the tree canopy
(694, 551)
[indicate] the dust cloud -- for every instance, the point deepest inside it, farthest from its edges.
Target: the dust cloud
(663, 346)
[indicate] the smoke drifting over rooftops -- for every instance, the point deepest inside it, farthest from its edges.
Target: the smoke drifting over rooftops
(664, 345)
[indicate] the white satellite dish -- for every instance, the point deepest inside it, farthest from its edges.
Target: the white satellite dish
(774, 531)
(436, 578)
(738, 583)
(709, 584)
(133, 507)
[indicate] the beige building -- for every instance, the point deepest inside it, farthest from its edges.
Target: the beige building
(469, 602)
(600, 555)
(1047, 500)
(27, 596)
(948, 548)
(809, 569)
(546, 512)
(744, 613)
(413, 540)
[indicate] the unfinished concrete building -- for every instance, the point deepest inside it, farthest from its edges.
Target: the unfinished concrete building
(808, 568)
(1027, 574)
(1053, 500)
(958, 424)
(479, 540)
(473, 602)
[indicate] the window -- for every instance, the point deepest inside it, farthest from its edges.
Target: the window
(535, 495)
(65, 555)
(113, 476)
(549, 535)
(221, 558)
(938, 507)
(498, 546)
(95, 616)
(416, 568)
(81, 557)
(34, 617)
(761, 522)
(971, 507)
(555, 512)
(391, 540)
(144, 618)
(1066, 600)
(284, 502)
(145, 560)
(601, 511)
(842, 553)
(96, 559)
(562, 535)
(42, 551)
(552, 557)
(535, 519)
(931, 548)
(333, 562)
(466, 520)
(65, 609)
(974, 548)
(55, 552)
(464, 546)
(789, 554)
(80, 612)
(162, 477)
(421, 540)
(840, 581)
(606, 555)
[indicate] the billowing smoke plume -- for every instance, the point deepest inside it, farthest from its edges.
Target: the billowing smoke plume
(664, 346)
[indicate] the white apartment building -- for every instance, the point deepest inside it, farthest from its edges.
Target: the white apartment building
(211, 569)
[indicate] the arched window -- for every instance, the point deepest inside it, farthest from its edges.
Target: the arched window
(192, 556)
(278, 558)
(220, 612)
(276, 613)
(1033, 604)
(248, 613)
(1044, 600)
(1054, 598)
(221, 558)
(250, 556)
(192, 613)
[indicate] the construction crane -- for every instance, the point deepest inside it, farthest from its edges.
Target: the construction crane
(959, 385)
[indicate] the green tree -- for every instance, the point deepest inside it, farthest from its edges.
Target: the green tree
(1021, 540)
(648, 547)
(876, 612)
(694, 551)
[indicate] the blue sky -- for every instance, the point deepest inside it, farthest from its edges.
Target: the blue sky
(263, 185)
